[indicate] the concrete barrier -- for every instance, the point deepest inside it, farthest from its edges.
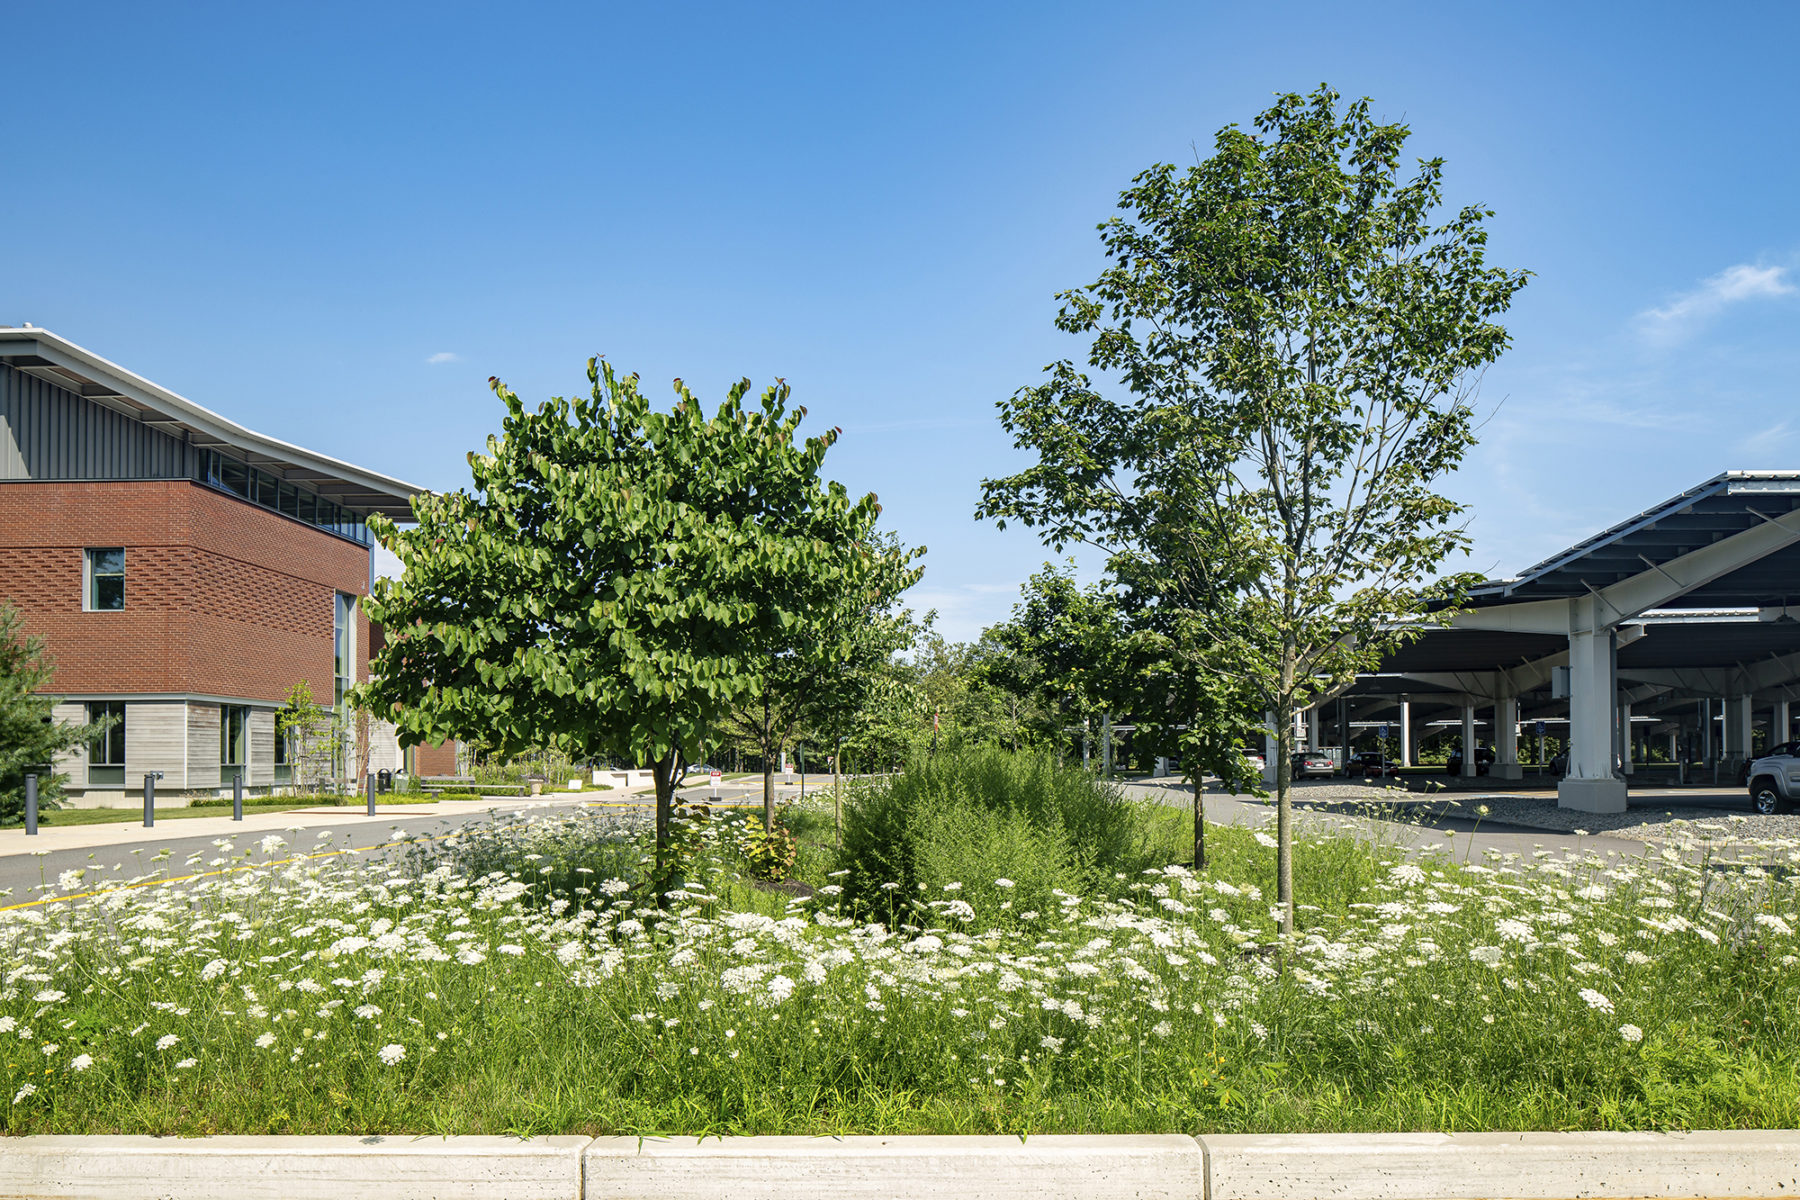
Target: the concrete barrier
(1517, 1166)
(1400, 1166)
(1045, 1167)
(292, 1168)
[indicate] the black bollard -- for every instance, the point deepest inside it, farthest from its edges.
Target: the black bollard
(369, 784)
(237, 796)
(31, 805)
(150, 778)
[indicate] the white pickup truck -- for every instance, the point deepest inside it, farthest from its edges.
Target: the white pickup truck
(1775, 779)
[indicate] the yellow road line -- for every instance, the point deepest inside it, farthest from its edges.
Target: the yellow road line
(276, 862)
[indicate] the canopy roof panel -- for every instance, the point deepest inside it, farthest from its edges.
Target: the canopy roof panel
(1722, 506)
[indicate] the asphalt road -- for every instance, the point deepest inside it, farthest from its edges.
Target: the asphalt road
(23, 869)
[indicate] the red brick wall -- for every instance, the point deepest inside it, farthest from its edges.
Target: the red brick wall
(435, 760)
(222, 597)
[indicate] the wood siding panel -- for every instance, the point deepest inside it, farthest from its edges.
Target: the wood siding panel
(202, 746)
(72, 763)
(156, 740)
(262, 747)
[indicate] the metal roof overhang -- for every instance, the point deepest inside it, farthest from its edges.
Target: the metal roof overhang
(58, 360)
(1726, 505)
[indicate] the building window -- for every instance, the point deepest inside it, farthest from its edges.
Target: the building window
(284, 755)
(105, 584)
(263, 488)
(106, 753)
(234, 738)
(344, 675)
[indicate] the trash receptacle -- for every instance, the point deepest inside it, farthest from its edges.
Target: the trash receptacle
(384, 781)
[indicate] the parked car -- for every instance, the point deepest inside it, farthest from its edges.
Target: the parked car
(1484, 758)
(1371, 762)
(1313, 764)
(1775, 779)
(1255, 763)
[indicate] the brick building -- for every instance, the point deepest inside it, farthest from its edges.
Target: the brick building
(185, 573)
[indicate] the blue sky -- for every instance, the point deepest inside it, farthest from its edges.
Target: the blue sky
(334, 222)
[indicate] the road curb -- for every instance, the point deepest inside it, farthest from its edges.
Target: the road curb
(291, 1168)
(1045, 1167)
(1400, 1166)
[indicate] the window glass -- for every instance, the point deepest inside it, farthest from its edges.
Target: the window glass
(267, 487)
(290, 500)
(234, 735)
(107, 750)
(307, 503)
(106, 580)
(234, 476)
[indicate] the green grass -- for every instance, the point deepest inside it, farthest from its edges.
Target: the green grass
(514, 991)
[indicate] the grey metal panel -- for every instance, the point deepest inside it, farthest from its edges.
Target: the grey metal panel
(49, 432)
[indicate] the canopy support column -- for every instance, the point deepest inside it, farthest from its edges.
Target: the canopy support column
(1506, 739)
(1590, 785)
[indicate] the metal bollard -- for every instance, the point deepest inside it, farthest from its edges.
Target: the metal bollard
(150, 778)
(237, 796)
(370, 785)
(31, 802)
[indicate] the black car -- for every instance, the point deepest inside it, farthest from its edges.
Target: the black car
(1484, 758)
(1371, 762)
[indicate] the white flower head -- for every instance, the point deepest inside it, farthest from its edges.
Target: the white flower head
(167, 1041)
(391, 1053)
(1631, 1033)
(81, 1062)
(1596, 1000)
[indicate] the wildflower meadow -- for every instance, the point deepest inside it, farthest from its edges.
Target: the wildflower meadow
(518, 979)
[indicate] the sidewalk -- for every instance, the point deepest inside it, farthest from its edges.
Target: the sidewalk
(130, 827)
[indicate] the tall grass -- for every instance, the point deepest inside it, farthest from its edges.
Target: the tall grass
(484, 993)
(1006, 831)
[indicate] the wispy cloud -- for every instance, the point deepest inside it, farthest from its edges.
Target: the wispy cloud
(1689, 311)
(444, 356)
(1766, 444)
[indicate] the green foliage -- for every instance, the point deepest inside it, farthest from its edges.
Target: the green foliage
(1298, 342)
(618, 578)
(30, 739)
(973, 816)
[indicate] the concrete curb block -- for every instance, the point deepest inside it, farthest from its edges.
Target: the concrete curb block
(292, 1168)
(1399, 1166)
(1050, 1167)
(1518, 1166)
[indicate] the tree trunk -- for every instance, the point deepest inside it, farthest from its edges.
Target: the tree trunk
(769, 752)
(837, 796)
(1199, 819)
(1284, 816)
(663, 771)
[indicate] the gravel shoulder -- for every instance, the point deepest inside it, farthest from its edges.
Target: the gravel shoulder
(1650, 818)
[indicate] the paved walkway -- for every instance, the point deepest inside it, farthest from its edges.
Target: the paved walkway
(1464, 837)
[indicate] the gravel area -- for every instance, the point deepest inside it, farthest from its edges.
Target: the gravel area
(1647, 820)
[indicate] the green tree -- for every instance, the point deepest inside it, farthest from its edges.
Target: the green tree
(827, 671)
(312, 733)
(1298, 332)
(1061, 649)
(30, 737)
(618, 578)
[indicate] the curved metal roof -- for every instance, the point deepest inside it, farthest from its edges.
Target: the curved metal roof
(93, 378)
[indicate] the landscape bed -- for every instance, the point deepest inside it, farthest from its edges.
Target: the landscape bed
(514, 981)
